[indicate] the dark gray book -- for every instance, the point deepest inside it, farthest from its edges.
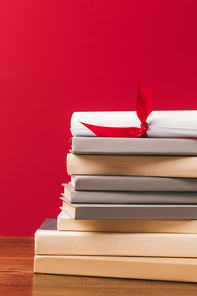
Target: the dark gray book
(129, 211)
(49, 224)
(130, 183)
(138, 146)
(128, 197)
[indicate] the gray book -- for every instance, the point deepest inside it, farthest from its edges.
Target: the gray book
(49, 224)
(138, 146)
(130, 183)
(128, 197)
(129, 211)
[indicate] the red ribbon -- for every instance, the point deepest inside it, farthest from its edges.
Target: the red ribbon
(144, 107)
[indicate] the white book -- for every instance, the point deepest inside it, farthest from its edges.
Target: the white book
(54, 242)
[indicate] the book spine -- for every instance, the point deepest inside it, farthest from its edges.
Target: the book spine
(163, 269)
(155, 166)
(129, 146)
(130, 183)
(87, 211)
(65, 223)
(51, 242)
(110, 197)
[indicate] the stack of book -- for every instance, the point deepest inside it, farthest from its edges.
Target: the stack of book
(130, 210)
(133, 204)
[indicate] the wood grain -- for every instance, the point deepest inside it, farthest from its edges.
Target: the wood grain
(16, 265)
(17, 278)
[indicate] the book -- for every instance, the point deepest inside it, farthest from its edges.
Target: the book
(132, 183)
(54, 242)
(65, 223)
(155, 166)
(167, 124)
(147, 268)
(128, 197)
(129, 211)
(137, 146)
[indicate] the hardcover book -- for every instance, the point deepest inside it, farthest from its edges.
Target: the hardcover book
(129, 211)
(128, 197)
(65, 223)
(155, 166)
(132, 183)
(137, 146)
(54, 242)
(147, 268)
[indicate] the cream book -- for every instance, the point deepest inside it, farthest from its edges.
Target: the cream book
(54, 242)
(155, 166)
(65, 223)
(147, 268)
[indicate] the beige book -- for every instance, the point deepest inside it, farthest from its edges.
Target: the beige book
(64, 222)
(54, 242)
(163, 166)
(147, 268)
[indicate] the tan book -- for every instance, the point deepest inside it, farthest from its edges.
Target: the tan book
(65, 223)
(54, 242)
(155, 166)
(147, 268)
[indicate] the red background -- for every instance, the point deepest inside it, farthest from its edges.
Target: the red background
(57, 57)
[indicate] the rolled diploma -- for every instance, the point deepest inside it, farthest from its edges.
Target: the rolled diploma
(171, 124)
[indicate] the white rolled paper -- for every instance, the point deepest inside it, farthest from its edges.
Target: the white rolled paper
(161, 124)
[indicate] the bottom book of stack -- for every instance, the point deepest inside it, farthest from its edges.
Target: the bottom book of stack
(152, 256)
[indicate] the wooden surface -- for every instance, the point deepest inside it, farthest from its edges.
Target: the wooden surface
(17, 278)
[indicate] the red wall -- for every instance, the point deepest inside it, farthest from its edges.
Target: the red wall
(57, 57)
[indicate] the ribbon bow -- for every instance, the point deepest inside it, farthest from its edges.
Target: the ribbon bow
(144, 106)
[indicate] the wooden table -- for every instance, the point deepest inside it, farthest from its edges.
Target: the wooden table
(17, 278)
